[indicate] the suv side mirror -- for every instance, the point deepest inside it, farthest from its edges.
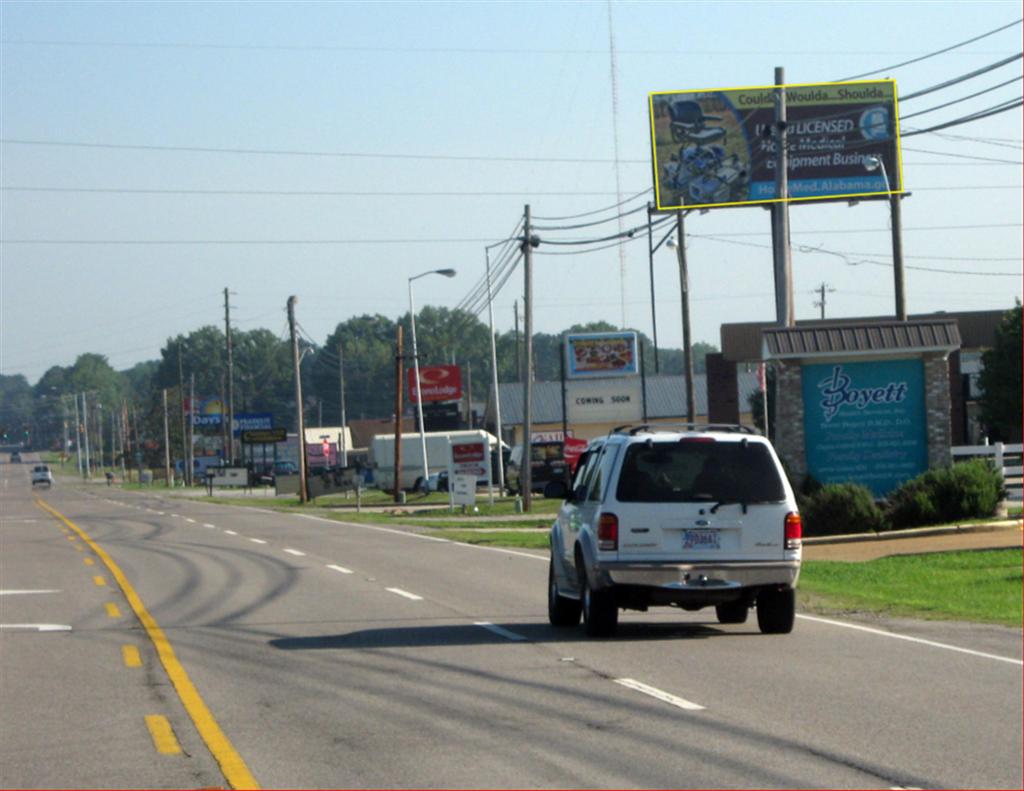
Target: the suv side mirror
(579, 494)
(556, 490)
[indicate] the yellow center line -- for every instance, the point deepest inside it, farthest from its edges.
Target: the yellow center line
(232, 766)
(163, 734)
(131, 656)
(112, 610)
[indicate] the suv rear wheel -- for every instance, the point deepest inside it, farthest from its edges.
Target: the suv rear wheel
(562, 611)
(732, 612)
(776, 610)
(600, 615)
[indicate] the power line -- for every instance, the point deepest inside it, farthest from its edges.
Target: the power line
(962, 98)
(933, 54)
(962, 78)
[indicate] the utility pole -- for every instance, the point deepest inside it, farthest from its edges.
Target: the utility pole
(99, 434)
(191, 429)
(781, 252)
(650, 262)
(64, 447)
(399, 383)
(231, 380)
(684, 293)
(469, 394)
(822, 290)
(519, 361)
(78, 436)
(167, 444)
(303, 498)
(85, 426)
(186, 469)
(341, 385)
(526, 474)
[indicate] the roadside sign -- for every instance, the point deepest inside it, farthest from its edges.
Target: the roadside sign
(261, 436)
(463, 489)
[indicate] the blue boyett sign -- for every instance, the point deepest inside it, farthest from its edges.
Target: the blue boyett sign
(865, 422)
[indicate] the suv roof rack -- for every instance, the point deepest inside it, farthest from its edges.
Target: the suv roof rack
(634, 429)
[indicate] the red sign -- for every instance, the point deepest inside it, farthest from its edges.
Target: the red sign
(572, 451)
(467, 452)
(438, 383)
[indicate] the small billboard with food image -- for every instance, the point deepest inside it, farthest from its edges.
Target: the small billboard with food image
(601, 354)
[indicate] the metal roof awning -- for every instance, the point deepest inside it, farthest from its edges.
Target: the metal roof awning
(857, 340)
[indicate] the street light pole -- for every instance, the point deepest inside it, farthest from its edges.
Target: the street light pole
(416, 364)
(896, 227)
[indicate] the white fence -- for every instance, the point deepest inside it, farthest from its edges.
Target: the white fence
(1007, 458)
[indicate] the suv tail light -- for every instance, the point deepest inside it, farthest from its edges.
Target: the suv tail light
(794, 530)
(608, 532)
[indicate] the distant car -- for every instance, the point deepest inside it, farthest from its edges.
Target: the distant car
(279, 468)
(41, 476)
(15, 458)
(437, 482)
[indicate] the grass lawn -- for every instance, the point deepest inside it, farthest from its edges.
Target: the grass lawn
(503, 538)
(982, 586)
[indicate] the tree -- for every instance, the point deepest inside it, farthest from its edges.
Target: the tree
(15, 408)
(1000, 380)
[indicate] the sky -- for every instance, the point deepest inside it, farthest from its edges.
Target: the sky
(153, 154)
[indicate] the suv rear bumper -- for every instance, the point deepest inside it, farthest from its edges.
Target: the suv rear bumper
(697, 577)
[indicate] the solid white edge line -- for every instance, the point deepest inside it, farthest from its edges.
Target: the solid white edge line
(373, 527)
(500, 631)
(341, 569)
(26, 592)
(295, 552)
(659, 694)
(37, 627)
(919, 640)
(406, 594)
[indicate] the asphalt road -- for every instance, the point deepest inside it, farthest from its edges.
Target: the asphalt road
(354, 656)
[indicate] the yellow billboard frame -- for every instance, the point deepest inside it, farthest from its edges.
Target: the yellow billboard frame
(765, 201)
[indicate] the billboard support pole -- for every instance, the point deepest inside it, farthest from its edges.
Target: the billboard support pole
(781, 252)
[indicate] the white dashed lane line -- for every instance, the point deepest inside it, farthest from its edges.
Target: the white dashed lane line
(406, 594)
(257, 541)
(659, 694)
(340, 569)
(231, 532)
(207, 524)
(295, 552)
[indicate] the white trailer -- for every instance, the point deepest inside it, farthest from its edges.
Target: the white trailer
(382, 455)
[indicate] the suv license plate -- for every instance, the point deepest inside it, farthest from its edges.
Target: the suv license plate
(701, 539)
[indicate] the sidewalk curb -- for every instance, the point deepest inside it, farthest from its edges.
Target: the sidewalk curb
(923, 532)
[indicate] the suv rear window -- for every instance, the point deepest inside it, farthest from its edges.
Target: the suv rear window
(689, 471)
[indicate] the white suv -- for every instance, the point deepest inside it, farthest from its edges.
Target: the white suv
(690, 516)
(41, 476)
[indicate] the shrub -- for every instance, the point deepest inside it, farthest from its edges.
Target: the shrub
(839, 508)
(969, 490)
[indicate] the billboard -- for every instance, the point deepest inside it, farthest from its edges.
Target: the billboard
(208, 413)
(601, 354)
(252, 421)
(717, 147)
(438, 383)
(864, 422)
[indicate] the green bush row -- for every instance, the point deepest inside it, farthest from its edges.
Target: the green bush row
(968, 490)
